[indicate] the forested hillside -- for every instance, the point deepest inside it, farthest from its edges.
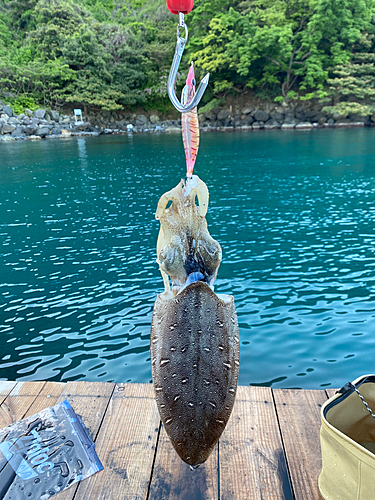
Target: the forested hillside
(115, 54)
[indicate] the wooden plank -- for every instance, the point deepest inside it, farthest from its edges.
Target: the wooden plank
(89, 400)
(173, 479)
(5, 388)
(250, 466)
(252, 460)
(18, 402)
(299, 419)
(136, 390)
(47, 397)
(126, 445)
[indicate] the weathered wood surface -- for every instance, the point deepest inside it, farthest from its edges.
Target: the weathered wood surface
(269, 450)
(299, 419)
(172, 478)
(126, 445)
(252, 459)
(90, 401)
(18, 401)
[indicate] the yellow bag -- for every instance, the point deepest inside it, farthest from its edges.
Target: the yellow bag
(347, 438)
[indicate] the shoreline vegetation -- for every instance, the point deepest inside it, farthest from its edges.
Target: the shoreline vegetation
(48, 124)
(111, 58)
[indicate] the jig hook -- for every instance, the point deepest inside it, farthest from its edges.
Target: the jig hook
(180, 46)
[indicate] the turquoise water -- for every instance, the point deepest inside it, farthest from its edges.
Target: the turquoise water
(293, 211)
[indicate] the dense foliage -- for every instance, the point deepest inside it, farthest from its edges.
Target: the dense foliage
(114, 54)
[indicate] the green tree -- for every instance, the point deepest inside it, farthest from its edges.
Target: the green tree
(287, 44)
(352, 84)
(55, 22)
(37, 79)
(108, 68)
(117, 53)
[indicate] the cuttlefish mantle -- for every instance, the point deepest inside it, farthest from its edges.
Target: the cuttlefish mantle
(185, 250)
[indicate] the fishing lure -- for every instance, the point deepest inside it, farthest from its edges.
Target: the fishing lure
(190, 123)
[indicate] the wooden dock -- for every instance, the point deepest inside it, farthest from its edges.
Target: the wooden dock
(269, 450)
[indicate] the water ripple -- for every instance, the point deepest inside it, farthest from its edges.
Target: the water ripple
(294, 214)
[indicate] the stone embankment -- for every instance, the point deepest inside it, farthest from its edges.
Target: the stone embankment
(278, 117)
(40, 124)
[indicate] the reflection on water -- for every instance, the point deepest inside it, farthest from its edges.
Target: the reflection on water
(82, 152)
(293, 212)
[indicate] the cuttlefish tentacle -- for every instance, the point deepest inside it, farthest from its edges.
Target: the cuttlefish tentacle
(194, 331)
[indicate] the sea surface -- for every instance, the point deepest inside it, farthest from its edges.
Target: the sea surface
(293, 211)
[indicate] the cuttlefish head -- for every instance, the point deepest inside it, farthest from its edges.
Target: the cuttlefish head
(186, 252)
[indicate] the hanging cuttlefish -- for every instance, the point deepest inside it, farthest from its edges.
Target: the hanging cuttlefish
(194, 331)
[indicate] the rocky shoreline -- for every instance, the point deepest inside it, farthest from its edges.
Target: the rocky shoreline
(45, 124)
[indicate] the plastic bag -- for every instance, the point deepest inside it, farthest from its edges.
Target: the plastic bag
(45, 454)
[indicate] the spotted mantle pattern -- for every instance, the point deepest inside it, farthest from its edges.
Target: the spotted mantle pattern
(195, 362)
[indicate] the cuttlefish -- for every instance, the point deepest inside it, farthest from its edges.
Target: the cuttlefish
(194, 331)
